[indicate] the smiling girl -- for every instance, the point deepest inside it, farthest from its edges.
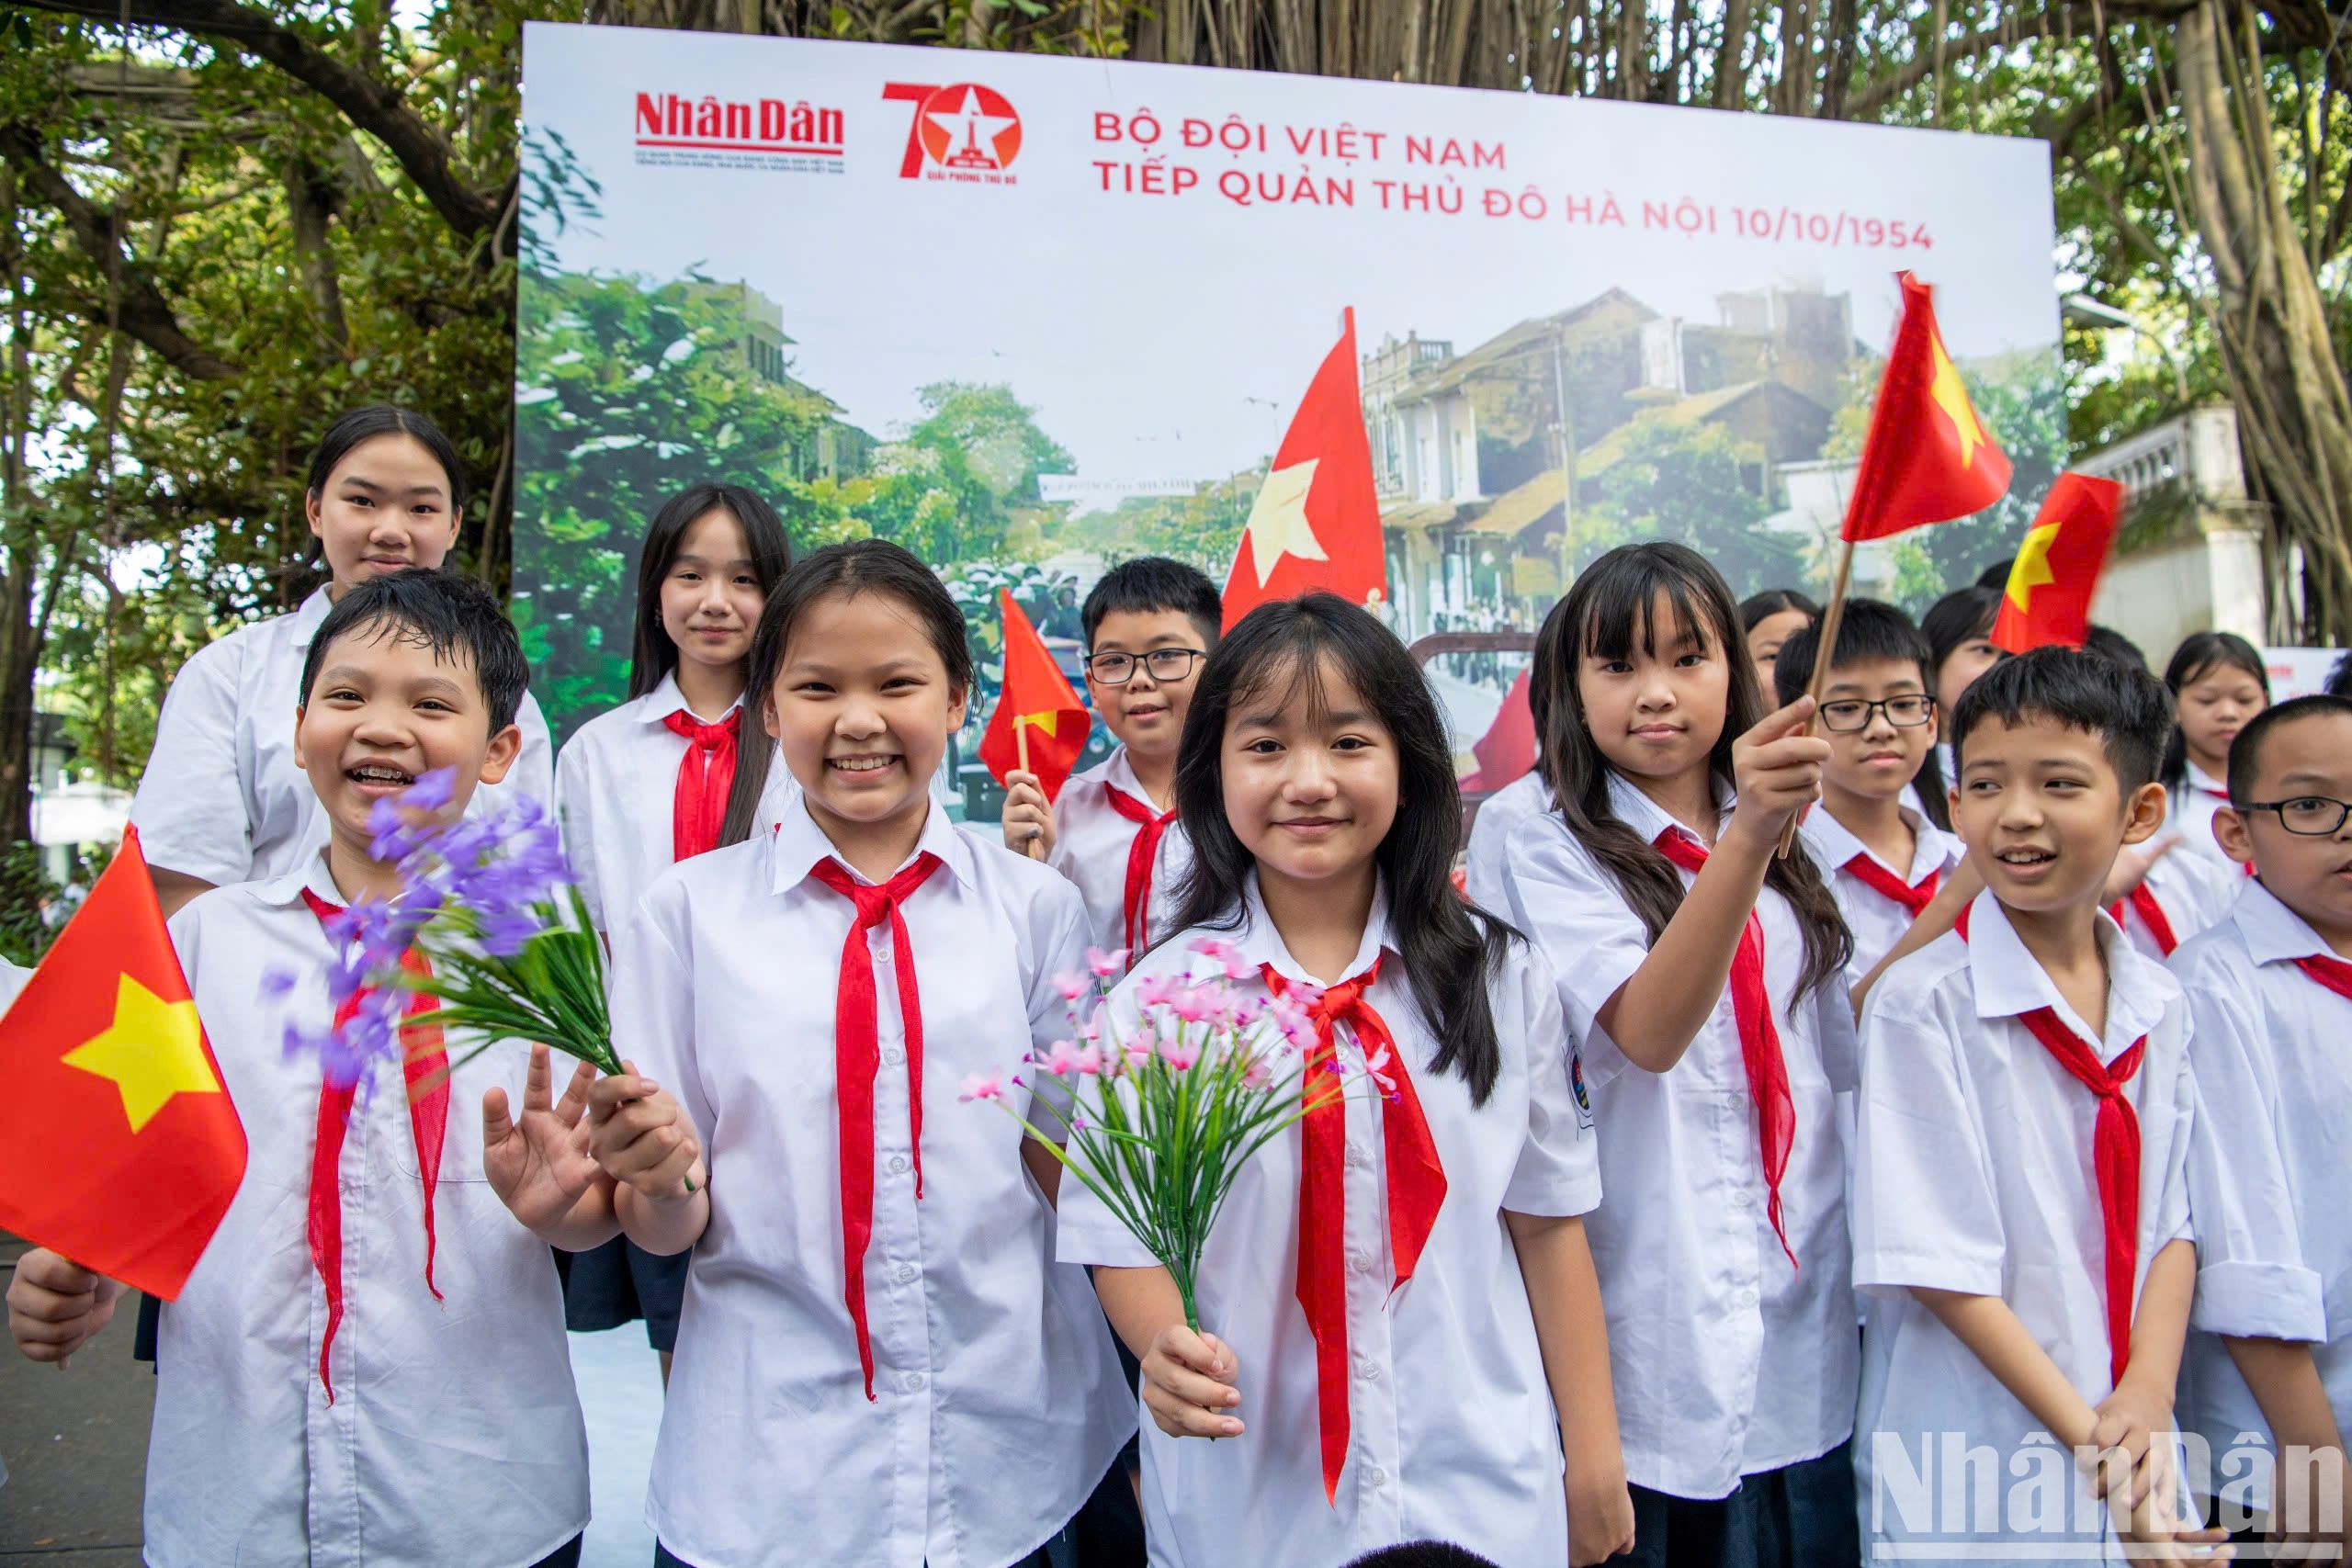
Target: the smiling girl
(1440, 1371)
(222, 800)
(874, 1326)
(647, 785)
(1701, 974)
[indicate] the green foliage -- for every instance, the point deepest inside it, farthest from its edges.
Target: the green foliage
(25, 935)
(1682, 482)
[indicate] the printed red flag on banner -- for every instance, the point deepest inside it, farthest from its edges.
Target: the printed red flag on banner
(1507, 751)
(1928, 458)
(119, 1146)
(2049, 596)
(1316, 523)
(1037, 703)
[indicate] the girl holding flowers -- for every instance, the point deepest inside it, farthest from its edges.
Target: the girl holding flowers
(874, 1328)
(1401, 1332)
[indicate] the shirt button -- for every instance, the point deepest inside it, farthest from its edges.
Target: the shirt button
(914, 1382)
(1360, 1261)
(1368, 1371)
(907, 1272)
(1356, 1157)
(893, 1056)
(897, 1165)
(1378, 1477)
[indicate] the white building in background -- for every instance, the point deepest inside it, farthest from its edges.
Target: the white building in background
(2190, 554)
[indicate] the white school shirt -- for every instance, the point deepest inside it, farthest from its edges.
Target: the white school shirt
(455, 1435)
(998, 1400)
(2191, 814)
(1091, 845)
(615, 784)
(1482, 858)
(1727, 1362)
(2194, 891)
(221, 798)
(1974, 1172)
(1452, 1431)
(1877, 922)
(2267, 1160)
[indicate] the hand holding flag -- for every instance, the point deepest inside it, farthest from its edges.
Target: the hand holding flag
(1039, 727)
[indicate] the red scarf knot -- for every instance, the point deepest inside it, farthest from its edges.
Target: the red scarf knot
(705, 779)
(2115, 1153)
(1759, 1043)
(421, 1061)
(1914, 897)
(1416, 1182)
(2333, 973)
(857, 1056)
(1142, 855)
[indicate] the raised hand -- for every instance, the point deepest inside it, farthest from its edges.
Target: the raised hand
(540, 1164)
(1776, 768)
(55, 1305)
(1028, 819)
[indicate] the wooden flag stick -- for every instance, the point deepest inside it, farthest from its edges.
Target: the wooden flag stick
(1033, 849)
(1824, 649)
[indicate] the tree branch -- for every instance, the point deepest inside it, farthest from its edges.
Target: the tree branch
(2060, 18)
(372, 104)
(143, 311)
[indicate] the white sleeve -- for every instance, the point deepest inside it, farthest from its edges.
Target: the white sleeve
(2251, 1277)
(653, 1003)
(191, 811)
(1839, 1036)
(1558, 1171)
(533, 773)
(1926, 1211)
(1054, 945)
(1573, 912)
(575, 796)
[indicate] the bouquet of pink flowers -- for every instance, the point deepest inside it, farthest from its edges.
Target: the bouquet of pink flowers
(1158, 1119)
(490, 902)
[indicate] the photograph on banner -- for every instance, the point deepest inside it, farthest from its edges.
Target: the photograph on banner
(1031, 316)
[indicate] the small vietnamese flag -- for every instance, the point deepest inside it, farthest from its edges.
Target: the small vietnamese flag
(1037, 708)
(1507, 751)
(2049, 596)
(118, 1145)
(1316, 523)
(1928, 458)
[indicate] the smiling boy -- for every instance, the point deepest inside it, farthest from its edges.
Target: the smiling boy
(1149, 623)
(2271, 989)
(2020, 1193)
(368, 1364)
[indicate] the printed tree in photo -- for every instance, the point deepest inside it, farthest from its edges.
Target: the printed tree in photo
(1684, 483)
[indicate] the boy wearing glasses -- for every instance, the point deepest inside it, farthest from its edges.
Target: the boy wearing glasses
(1149, 624)
(1882, 856)
(2270, 989)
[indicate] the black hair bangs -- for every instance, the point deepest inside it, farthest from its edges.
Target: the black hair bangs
(455, 616)
(1623, 614)
(2126, 708)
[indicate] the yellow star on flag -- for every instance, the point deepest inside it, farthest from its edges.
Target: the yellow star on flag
(152, 1050)
(2032, 567)
(1952, 398)
(1045, 719)
(1278, 525)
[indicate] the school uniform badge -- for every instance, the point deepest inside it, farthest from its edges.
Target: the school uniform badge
(1576, 1083)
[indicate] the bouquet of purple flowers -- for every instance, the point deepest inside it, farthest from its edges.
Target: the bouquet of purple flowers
(1158, 1120)
(508, 948)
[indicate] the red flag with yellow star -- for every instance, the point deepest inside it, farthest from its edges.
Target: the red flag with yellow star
(119, 1146)
(1928, 458)
(1038, 708)
(2049, 596)
(1315, 521)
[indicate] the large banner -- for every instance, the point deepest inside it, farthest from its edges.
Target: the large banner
(1030, 315)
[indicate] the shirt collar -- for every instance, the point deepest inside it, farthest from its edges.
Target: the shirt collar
(2200, 779)
(2273, 933)
(2009, 980)
(309, 875)
(1835, 845)
(1648, 818)
(311, 613)
(1118, 772)
(1259, 943)
(658, 704)
(798, 845)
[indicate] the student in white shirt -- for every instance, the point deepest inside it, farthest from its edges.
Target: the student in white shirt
(1463, 1337)
(2218, 682)
(432, 1420)
(2020, 1198)
(878, 1361)
(1959, 628)
(1482, 856)
(2271, 991)
(1883, 857)
(649, 784)
(1112, 829)
(222, 800)
(1704, 977)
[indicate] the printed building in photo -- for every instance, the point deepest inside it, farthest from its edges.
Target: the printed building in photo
(836, 449)
(1484, 460)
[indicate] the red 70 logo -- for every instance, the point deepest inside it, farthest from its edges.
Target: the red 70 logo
(914, 93)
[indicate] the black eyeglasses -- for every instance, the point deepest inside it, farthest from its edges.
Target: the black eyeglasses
(2313, 815)
(1165, 664)
(1847, 715)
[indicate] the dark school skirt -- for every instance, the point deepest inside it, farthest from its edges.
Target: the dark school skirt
(619, 1282)
(1800, 1516)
